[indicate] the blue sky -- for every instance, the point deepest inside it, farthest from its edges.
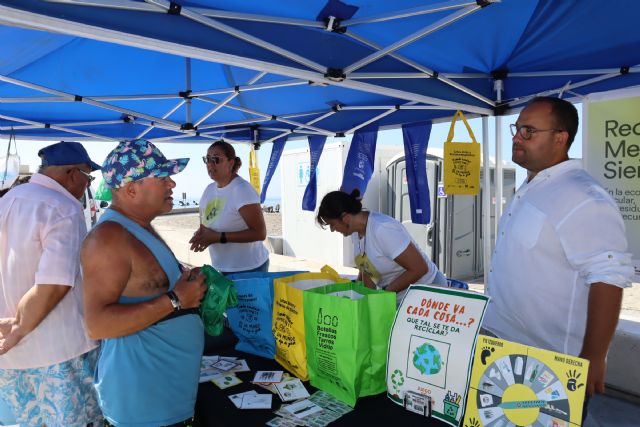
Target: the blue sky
(194, 178)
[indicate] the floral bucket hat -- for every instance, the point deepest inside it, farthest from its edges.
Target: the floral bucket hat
(138, 159)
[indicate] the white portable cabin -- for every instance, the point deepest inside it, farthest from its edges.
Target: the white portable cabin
(453, 239)
(302, 236)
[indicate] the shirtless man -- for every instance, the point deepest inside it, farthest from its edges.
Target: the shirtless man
(137, 301)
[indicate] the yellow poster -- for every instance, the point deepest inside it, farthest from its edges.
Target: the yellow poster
(517, 385)
(611, 151)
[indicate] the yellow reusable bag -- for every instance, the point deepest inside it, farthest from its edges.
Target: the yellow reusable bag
(288, 317)
(254, 172)
(461, 162)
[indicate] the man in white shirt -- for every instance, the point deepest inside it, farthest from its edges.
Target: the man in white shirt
(46, 360)
(561, 260)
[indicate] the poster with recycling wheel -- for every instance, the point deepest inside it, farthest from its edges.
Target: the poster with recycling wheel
(517, 385)
(430, 350)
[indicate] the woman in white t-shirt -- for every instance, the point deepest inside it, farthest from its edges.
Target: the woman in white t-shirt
(231, 222)
(385, 254)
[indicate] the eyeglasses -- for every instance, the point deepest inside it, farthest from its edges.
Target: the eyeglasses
(212, 159)
(526, 132)
(88, 175)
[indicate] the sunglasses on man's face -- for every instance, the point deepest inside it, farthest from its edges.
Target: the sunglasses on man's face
(212, 159)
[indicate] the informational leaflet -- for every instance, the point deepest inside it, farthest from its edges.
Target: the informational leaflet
(514, 384)
(431, 347)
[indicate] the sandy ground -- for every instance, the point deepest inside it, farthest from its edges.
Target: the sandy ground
(191, 221)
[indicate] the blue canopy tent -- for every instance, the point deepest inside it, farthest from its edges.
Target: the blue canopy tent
(248, 70)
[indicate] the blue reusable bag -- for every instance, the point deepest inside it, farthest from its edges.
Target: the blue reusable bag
(251, 319)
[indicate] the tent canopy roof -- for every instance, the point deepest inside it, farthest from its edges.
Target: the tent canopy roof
(255, 71)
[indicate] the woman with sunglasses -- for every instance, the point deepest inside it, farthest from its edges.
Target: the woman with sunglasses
(385, 254)
(231, 222)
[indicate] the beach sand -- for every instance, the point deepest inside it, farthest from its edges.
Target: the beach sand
(190, 222)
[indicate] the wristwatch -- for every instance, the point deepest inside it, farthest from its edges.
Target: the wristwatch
(175, 301)
(223, 237)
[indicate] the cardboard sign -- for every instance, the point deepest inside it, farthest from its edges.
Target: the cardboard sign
(431, 347)
(514, 384)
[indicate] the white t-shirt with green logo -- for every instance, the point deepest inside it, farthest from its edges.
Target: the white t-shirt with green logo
(219, 211)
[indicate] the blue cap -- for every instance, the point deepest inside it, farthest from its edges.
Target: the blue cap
(138, 159)
(66, 153)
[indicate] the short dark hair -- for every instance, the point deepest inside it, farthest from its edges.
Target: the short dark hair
(564, 114)
(337, 203)
(229, 152)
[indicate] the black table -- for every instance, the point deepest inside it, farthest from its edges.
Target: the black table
(214, 408)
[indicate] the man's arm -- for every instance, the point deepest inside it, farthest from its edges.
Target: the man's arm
(33, 307)
(602, 317)
(107, 268)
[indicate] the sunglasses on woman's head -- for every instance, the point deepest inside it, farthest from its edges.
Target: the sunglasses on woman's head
(212, 159)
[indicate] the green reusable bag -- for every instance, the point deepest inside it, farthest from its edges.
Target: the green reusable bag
(347, 327)
(221, 294)
(103, 192)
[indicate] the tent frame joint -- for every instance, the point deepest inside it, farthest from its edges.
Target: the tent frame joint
(174, 8)
(186, 94)
(624, 70)
(77, 98)
(188, 126)
(333, 24)
(335, 74)
(499, 74)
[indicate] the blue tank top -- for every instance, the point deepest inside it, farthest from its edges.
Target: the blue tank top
(150, 378)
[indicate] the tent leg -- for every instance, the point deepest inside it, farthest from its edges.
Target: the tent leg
(486, 200)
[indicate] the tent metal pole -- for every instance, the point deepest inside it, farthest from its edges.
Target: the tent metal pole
(407, 13)
(365, 76)
(22, 100)
(271, 85)
(486, 202)
(387, 107)
(270, 116)
(317, 119)
(456, 16)
(212, 23)
(56, 127)
(428, 72)
(42, 22)
(307, 126)
(498, 179)
(306, 132)
(86, 100)
(213, 13)
(235, 123)
(67, 124)
(227, 100)
(566, 87)
(169, 113)
(187, 73)
(371, 120)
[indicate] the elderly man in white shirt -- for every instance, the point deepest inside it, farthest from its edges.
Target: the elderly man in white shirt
(561, 261)
(46, 360)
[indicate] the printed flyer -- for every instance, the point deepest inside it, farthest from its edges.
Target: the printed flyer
(517, 385)
(431, 348)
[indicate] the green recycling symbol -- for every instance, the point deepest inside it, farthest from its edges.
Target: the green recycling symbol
(397, 378)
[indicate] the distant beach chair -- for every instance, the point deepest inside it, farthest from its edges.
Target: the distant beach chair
(277, 208)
